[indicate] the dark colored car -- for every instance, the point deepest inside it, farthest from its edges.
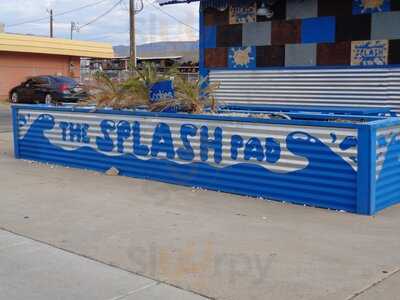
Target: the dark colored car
(47, 89)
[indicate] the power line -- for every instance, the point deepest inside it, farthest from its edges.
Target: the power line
(59, 14)
(82, 7)
(171, 16)
(102, 15)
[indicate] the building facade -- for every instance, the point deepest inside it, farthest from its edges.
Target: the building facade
(302, 52)
(308, 33)
(24, 56)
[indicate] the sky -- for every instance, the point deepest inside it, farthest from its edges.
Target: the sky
(173, 23)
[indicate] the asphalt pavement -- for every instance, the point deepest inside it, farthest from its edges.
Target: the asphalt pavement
(37, 271)
(76, 234)
(218, 245)
(5, 118)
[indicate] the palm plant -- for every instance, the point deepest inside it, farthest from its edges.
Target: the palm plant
(190, 96)
(108, 93)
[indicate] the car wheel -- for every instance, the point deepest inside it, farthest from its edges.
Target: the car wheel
(48, 99)
(14, 97)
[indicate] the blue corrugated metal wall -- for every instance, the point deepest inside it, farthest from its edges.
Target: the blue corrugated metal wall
(300, 162)
(387, 167)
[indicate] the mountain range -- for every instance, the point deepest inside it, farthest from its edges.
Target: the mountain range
(187, 49)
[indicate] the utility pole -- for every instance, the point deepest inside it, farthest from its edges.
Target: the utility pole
(74, 27)
(51, 23)
(132, 35)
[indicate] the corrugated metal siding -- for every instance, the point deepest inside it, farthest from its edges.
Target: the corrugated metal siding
(326, 184)
(326, 87)
(387, 167)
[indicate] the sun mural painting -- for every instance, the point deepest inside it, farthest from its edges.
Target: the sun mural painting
(370, 6)
(242, 58)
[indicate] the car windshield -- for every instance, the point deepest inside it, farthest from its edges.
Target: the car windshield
(66, 80)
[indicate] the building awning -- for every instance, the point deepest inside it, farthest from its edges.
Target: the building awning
(166, 2)
(219, 4)
(45, 45)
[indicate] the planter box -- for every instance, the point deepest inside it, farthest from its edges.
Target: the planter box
(349, 165)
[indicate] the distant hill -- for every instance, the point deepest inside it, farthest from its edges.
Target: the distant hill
(188, 49)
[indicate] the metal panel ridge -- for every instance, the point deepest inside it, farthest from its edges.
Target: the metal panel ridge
(371, 87)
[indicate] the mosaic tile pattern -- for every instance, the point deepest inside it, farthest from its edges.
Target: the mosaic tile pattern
(370, 6)
(297, 55)
(296, 9)
(394, 52)
(318, 30)
(216, 58)
(242, 58)
(334, 54)
(229, 35)
(257, 34)
(241, 12)
(353, 28)
(369, 53)
(214, 16)
(386, 25)
(270, 56)
(210, 36)
(335, 8)
(286, 32)
(304, 33)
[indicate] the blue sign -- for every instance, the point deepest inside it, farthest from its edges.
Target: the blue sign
(254, 159)
(162, 90)
(175, 142)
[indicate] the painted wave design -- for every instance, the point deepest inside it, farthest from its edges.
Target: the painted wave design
(327, 181)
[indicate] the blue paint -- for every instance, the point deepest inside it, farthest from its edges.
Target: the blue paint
(348, 142)
(16, 125)
(318, 30)
(382, 141)
(387, 184)
(75, 132)
(162, 141)
(360, 7)
(210, 36)
(205, 174)
(106, 143)
(334, 137)
(162, 90)
(123, 133)
(366, 172)
(254, 149)
(236, 143)
(242, 58)
(64, 127)
(138, 148)
(186, 152)
(272, 150)
(215, 144)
